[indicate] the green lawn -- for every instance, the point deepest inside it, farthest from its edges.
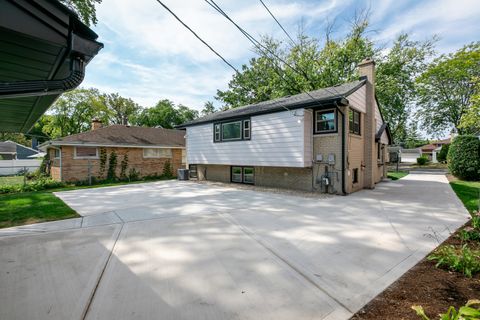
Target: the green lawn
(32, 207)
(11, 180)
(395, 175)
(468, 192)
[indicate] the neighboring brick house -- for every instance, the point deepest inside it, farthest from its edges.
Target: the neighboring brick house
(76, 157)
(329, 140)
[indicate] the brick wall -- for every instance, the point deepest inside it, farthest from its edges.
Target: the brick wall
(78, 169)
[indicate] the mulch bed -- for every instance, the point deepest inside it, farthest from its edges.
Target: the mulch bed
(432, 288)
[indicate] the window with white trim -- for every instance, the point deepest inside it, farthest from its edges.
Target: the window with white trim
(57, 153)
(354, 121)
(246, 129)
(157, 153)
(216, 129)
(325, 121)
(86, 153)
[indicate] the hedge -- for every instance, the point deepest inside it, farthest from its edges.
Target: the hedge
(464, 157)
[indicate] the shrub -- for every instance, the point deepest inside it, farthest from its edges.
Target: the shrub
(422, 160)
(464, 157)
(464, 259)
(442, 155)
(43, 170)
(133, 175)
(37, 185)
(167, 169)
(123, 167)
(112, 166)
(467, 312)
(103, 163)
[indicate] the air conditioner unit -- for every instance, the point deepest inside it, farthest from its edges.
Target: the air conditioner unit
(182, 174)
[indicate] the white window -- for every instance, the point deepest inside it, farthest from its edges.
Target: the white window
(237, 174)
(248, 175)
(57, 153)
(217, 131)
(157, 153)
(325, 121)
(246, 129)
(86, 153)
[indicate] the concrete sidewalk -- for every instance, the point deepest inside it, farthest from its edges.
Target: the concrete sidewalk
(182, 250)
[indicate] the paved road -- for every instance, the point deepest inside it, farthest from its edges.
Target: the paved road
(181, 250)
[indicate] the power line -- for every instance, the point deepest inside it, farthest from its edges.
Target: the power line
(278, 22)
(197, 36)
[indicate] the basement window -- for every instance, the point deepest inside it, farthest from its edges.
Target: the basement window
(325, 121)
(243, 175)
(86, 153)
(355, 175)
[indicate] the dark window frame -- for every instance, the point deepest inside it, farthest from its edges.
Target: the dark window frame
(242, 174)
(323, 111)
(355, 175)
(193, 171)
(243, 136)
(351, 122)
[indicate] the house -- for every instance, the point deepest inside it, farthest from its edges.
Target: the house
(329, 140)
(430, 150)
(78, 157)
(45, 49)
(10, 150)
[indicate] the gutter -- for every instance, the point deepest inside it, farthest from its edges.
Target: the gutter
(44, 145)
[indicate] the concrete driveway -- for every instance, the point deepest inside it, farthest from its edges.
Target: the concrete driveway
(182, 250)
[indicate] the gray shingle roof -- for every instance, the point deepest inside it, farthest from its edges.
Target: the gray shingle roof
(8, 147)
(127, 135)
(291, 102)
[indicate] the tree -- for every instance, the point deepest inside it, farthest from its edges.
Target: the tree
(208, 108)
(166, 115)
(470, 121)
(395, 81)
(446, 89)
(85, 9)
(73, 112)
(120, 109)
(302, 67)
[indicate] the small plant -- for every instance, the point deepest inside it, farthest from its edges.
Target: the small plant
(167, 169)
(464, 259)
(133, 175)
(469, 234)
(112, 166)
(44, 166)
(466, 312)
(123, 167)
(37, 185)
(423, 160)
(103, 163)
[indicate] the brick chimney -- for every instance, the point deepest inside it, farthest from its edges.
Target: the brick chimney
(366, 69)
(96, 124)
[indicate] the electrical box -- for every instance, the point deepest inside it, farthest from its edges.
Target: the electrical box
(331, 159)
(319, 157)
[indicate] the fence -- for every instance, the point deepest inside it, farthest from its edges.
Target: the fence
(14, 167)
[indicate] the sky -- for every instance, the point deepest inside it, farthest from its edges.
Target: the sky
(149, 56)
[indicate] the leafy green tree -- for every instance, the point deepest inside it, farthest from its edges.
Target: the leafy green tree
(85, 9)
(73, 111)
(208, 108)
(395, 81)
(306, 67)
(120, 109)
(166, 115)
(446, 89)
(470, 121)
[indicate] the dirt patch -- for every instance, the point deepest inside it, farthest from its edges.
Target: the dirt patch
(432, 288)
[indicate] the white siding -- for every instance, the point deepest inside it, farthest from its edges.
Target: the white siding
(278, 139)
(358, 99)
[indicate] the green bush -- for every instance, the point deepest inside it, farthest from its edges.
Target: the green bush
(133, 175)
(464, 259)
(464, 158)
(167, 169)
(442, 155)
(37, 185)
(112, 166)
(422, 160)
